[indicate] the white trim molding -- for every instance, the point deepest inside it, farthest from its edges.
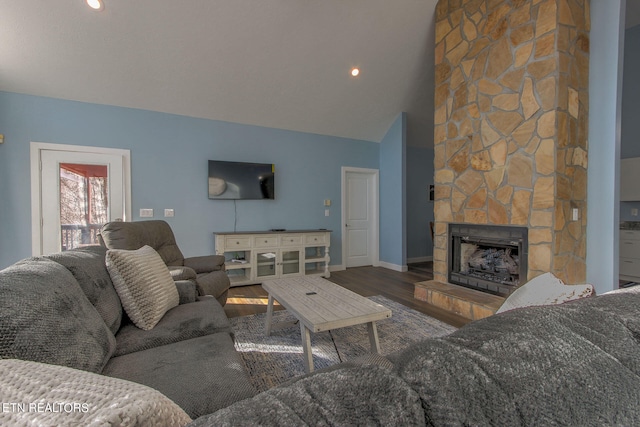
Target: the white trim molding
(419, 259)
(394, 267)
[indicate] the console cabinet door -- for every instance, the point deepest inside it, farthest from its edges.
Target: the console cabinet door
(266, 263)
(290, 262)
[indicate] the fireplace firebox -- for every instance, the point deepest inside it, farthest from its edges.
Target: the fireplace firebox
(489, 258)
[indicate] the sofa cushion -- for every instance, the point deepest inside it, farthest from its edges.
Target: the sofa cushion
(201, 375)
(79, 398)
(143, 282)
(45, 317)
(88, 267)
(355, 396)
(183, 322)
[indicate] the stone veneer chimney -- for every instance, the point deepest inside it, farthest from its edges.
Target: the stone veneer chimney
(511, 123)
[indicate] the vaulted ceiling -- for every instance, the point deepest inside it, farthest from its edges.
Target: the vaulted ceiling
(276, 63)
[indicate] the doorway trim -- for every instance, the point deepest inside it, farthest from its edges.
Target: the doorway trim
(35, 154)
(375, 247)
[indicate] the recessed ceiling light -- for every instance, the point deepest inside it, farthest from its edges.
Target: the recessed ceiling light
(355, 71)
(95, 4)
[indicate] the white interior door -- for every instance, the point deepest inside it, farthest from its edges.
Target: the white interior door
(77, 193)
(360, 218)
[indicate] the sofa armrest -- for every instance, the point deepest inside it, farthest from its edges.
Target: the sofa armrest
(182, 273)
(186, 291)
(205, 264)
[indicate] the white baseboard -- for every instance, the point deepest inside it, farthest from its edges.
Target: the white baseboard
(339, 267)
(419, 259)
(394, 267)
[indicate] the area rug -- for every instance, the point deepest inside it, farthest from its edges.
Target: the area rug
(274, 359)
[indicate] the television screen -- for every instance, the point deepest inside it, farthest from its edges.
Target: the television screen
(237, 180)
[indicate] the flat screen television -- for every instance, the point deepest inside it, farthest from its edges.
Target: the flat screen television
(240, 180)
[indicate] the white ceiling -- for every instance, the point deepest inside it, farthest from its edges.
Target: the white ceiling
(277, 63)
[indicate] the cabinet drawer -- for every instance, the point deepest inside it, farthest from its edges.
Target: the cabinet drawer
(265, 241)
(629, 234)
(291, 240)
(232, 243)
(630, 267)
(629, 248)
(315, 239)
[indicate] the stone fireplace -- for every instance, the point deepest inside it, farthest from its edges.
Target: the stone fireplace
(488, 258)
(511, 121)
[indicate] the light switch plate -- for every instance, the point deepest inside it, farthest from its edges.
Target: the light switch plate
(575, 213)
(168, 213)
(146, 213)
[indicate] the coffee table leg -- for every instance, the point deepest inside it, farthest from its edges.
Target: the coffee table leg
(267, 328)
(373, 337)
(306, 348)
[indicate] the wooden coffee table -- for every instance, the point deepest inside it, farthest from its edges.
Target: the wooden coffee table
(321, 305)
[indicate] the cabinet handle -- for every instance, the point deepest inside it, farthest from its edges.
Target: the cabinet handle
(266, 241)
(628, 262)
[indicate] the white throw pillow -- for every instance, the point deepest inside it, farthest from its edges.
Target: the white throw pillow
(37, 394)
(546, 289)
(143, 283)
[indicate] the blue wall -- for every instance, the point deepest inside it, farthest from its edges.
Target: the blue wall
(169, 156)
(419, 208)
(630, 143)
(393, 195)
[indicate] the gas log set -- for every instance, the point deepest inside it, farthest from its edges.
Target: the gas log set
(488, 258)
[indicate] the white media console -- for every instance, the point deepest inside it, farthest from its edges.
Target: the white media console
(255, 256)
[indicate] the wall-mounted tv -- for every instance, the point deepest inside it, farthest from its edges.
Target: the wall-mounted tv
(240, 180)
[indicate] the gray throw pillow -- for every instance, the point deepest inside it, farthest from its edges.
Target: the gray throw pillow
(143, 283)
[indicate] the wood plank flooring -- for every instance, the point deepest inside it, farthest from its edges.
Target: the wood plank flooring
(366, 281)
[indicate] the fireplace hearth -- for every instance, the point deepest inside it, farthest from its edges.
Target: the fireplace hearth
(488, 258)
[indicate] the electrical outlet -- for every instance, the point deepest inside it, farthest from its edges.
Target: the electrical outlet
(634, 212)
(168, 213)
(326, 212)
(146, 213)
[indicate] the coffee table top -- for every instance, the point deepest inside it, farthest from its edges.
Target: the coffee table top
(322, 305)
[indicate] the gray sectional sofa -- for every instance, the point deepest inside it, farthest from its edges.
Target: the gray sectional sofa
(575, 364)
(62, 309)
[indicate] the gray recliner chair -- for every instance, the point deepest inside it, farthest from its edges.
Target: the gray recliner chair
(206, 271)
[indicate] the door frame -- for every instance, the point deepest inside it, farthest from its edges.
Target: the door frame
(35, 152)
(375, 216)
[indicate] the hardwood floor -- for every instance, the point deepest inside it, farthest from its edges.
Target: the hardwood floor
(365, 281)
